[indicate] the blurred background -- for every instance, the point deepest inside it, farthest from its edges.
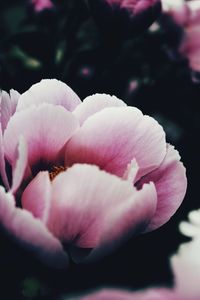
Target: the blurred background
(68, 42)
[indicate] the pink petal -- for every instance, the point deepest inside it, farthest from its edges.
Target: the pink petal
(95, 103)
(50, 91)
(37, 196)
(115, 294)
(2, 162)
(91, 207)
(46, 129)
(131, 171)
(114, 136)
(8, 105)
(171, 183)
(21, 161)
(14, 97)
(30, 231)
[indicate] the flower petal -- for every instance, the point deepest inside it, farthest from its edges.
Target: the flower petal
(114, 136)
(8, 105)
(36, 198)
(95, 103)
(91, 207)
(46, 129)
(2, 162)
(171, 183)
(50, 91)
(30, 231)
(115, 294)
(20, 164)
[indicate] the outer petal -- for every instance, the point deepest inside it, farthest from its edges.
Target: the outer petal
(30, 231)
(186, 269)
(46, 129)
(49, 91)
(114, 136)
(2, 162)
(37, 196)
(8, 105)
(111, 294)
(91, 207)
(95, 103)
(171, 183)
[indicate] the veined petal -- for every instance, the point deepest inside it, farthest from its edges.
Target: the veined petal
(46, 129)
(171, 183)
(114, 136)
(95, 103)
(50, 91)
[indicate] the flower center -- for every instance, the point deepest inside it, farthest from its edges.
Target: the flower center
(55, 170)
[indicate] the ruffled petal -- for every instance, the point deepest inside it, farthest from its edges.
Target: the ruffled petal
(95, 103)
(114, 136)
(46, 129)
(30, 231)
(171, 183)
(50, 91)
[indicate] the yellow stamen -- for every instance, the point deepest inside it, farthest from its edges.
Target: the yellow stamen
(55, 170)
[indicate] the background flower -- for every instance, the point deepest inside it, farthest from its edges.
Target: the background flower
(186, 16)
(185, 265)
(41, 5)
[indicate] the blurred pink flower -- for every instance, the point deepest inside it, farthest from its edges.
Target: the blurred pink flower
(116, 294)
(185, 265)
(133, 6)
(186, 15)
(86, 174)
(40, 5)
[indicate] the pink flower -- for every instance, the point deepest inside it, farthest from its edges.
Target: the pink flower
(185, 265)
(115, 294)
(125, 17)
(85, 175)
(41, 5)
(133, 6)
(186, 15)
